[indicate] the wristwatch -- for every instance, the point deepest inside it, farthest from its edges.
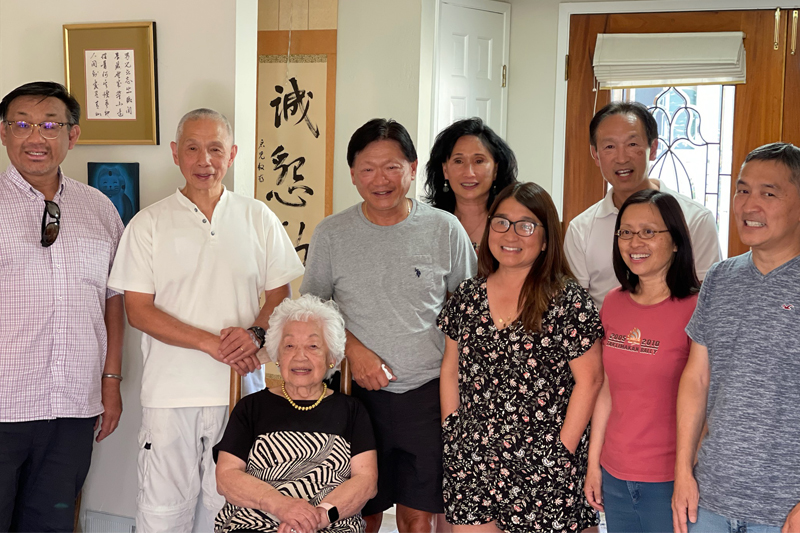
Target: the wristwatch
(333, 512)
(259, 333)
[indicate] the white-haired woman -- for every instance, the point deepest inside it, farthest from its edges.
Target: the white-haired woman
(298, 458)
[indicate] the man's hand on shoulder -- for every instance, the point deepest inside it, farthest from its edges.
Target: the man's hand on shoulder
(112, 408)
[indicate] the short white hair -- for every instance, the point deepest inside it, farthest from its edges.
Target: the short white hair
(305, 309)
(203, 113)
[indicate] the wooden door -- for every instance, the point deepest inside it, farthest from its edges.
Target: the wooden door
(791, 87)
(759, 103)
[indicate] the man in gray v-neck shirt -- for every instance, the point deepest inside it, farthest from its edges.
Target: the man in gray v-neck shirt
(743, 373)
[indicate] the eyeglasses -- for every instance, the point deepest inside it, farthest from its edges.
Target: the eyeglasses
(626, 234)
(22, 130)
(50, 229)
(523, 228)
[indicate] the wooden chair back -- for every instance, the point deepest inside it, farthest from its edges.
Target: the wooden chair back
(236, 385)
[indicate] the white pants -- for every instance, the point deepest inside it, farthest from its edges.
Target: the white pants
(176, 468)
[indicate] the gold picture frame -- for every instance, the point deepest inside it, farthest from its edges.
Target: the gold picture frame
(121, 55)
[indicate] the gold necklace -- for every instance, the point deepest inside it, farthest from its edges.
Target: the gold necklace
(364, 210)
(507, 321)
(481, 221)
(307, 408)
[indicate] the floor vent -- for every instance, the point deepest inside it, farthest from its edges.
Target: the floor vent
(97, 522)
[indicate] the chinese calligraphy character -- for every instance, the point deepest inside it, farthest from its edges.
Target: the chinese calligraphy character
(291, 103)
(104, 82)
(279, 157)
(301, 249)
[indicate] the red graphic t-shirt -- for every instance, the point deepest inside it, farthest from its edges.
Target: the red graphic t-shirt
(644, 351)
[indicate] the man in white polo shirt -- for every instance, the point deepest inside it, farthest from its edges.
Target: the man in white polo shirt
(624, 138)
(193, 267)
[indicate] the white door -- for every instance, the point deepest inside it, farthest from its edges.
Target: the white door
(472, 54)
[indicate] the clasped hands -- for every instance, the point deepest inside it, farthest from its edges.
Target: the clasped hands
(299, 516)
(235, 348)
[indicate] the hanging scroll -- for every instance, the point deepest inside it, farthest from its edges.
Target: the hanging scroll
(290, 159)
(295, 133)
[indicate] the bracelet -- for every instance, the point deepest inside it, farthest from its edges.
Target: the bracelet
(113, 376)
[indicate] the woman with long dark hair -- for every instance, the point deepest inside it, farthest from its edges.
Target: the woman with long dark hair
(469, 164)
(520, 374)
(632, 449)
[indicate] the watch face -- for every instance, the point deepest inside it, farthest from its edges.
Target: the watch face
(333, 515)
(260, 333)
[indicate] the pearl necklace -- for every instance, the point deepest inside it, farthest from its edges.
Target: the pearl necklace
(307, 408)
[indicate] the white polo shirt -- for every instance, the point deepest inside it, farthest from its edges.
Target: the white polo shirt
(208, 274)
(589, 242)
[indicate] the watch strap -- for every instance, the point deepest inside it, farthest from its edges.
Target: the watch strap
(259, 333)
(333, 512)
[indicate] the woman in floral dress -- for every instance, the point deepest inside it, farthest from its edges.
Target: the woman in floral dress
(520, 375)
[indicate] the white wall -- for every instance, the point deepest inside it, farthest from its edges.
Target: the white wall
(378, 57)
(380, 43)
(196, 61)
(531, 87)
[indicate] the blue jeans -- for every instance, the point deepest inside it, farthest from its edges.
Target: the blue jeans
(633, 506)
(708, 522)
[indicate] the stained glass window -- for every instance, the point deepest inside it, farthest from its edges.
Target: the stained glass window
(695, 134)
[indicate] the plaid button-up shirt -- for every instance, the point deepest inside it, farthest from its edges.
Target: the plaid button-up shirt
(52, 300)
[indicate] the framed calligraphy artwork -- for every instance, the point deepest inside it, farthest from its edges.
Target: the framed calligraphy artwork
(111, 71)
(295, 132)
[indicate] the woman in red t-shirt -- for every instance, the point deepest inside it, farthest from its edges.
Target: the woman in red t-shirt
(632, 447)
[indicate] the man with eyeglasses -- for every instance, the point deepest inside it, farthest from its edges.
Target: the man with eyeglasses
(389, 262)
(61, 328)
(623, 140)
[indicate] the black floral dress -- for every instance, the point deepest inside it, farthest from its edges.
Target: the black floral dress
(503, 457)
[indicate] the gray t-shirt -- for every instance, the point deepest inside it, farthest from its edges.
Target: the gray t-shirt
(749, 464)
(390, 283)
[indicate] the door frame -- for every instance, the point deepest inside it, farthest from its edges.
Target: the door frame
(429, 71)
(566, 10)
(492, 6)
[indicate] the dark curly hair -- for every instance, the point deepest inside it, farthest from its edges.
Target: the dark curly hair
(502, 154)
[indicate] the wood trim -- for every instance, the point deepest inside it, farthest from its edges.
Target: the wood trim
(791, 89)
(583, 183)
(758, 114)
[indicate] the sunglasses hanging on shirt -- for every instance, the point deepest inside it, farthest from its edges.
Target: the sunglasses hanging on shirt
(50, 229)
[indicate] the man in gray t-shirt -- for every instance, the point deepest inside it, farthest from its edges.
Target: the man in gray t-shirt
(743, 372)
(389, 263)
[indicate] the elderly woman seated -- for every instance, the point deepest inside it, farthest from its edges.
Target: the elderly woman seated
(298, 458)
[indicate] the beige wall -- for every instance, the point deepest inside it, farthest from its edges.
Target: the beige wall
(378, 65)
(384, 49)
(196, 47)
(297, 14)
(377, 75)
(531, 87)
